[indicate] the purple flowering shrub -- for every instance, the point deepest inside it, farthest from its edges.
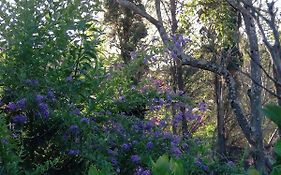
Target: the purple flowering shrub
(133, 143)
(43, 71)
(47, 128)
(73, 137)
(57, 124)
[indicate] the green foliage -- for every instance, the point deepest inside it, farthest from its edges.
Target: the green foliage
(94, 171)
(277, 148)
(276, 170)
(127, 27)
(277, 165)
(220, 19)
(166, 166)
(8, 151)
(273, 112)
(252, 171)
(50, 48)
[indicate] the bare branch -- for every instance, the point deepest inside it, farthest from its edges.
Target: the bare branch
(237, 5)
(263, 87)
(174, 21)
(265, 71)
(265, 40)
(233, 98)
(137, 10)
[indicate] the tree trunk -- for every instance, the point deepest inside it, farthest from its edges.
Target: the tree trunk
(255, 92)
(220, 117)
(178, 67)
(181, 89)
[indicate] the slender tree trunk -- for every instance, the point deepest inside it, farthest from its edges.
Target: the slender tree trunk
(181, 89)
(255, 93)
(220, 117)
(179, 68)
(174, 67)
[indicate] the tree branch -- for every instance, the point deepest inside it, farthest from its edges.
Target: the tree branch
(137, 10)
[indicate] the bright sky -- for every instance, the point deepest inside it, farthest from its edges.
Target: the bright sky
(278, 3)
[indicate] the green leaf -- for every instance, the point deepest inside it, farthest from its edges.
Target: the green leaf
(177, 167)
(276, 170)
(93, 170)
(277, 148)
(164, 166)
(273, 112)
(161, 166)
(253, 172)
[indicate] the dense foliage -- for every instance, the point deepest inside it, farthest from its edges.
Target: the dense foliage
(70, 106)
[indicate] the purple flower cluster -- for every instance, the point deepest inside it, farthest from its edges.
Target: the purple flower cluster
(179, 42)
(73, 135)
(135, 159)
(73, 152)
(121, 99)
(32, 82)
(114, 161)
(74, 129)
(11, 106)
(85, 120)
(202, 106)
(44, 110)
(148, 125)
(39, 98)
(199, 163)
(149, 145)
(125, 146)
(177, 119)
(43, 107)
(19, 119)
(141, 171)
(18, 110)
(51, 95)
(76, 111)
(21, 104)
(112, 152)
(4, 141)
(69, 78)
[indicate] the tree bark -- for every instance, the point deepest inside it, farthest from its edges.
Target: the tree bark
(181, 89)
(220, 118)
(178, 66)
(255, 91)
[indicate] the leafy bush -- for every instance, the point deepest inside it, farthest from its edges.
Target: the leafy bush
(273, 112)
(49, 68)
(166, 166)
